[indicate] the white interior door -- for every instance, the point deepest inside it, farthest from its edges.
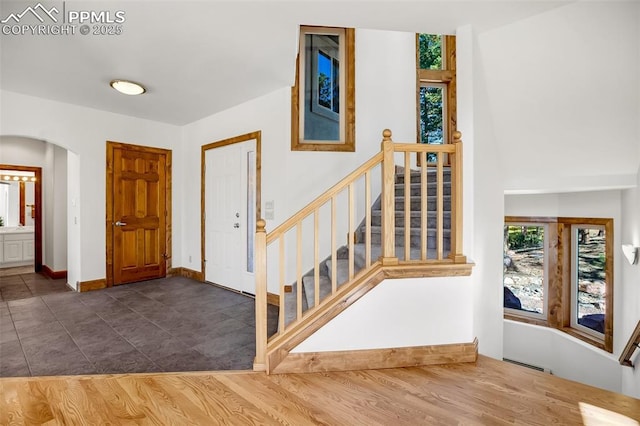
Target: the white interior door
(229, 215)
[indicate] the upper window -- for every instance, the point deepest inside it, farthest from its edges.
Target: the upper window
(558, 272)
(323, 105)
(436, 88)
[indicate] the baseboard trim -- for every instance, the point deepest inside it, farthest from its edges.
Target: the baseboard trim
(373, 359)
(98, 284)
(54, 275)
(186, 273)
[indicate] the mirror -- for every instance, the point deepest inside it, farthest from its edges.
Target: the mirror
(17, 198)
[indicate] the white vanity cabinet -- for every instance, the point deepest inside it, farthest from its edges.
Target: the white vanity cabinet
(16, 247)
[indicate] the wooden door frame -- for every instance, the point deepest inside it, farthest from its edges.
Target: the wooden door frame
(111, 146)
(257, 135)
(37, 197)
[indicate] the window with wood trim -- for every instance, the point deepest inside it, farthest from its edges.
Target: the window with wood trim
(323, 98)
(525, 266)
(558, 272)
(436, 88)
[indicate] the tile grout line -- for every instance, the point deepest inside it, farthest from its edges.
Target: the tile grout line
(116, 331)
(24, 354)
(179, 313)
(25, 284)
(153, 322)
(69, 334)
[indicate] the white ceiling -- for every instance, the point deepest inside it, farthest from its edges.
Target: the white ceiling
(199, 58)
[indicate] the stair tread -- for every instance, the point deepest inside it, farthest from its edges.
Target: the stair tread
(415, 252)
(342, 263)
(418, 196)
(400, 229)
(419, 184)
(416, 213)
(445, 169)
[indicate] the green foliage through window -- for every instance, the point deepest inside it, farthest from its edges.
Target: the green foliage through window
(430, 51)
(521, 237)
(431, 115)
(431, 97)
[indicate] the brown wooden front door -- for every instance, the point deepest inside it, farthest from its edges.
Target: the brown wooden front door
(139, 213)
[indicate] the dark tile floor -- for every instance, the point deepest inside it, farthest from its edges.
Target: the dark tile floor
(18, 283)
(172, 324)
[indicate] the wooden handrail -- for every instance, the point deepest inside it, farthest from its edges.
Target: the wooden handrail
(322, 199)
(290, 261)
(632, 345)
(423, 147)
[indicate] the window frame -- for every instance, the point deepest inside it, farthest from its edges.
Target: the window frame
(316, 106)
(573, 321)
(346, 142)
(445, 105)
(445, 76)
(560, 296)
(534, 316)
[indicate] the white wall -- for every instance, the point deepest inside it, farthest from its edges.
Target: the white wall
(486, 216)
(563, 95)
(565, 356)
(385, 98)
(439, 311)
(48, 210)
(56, 251)
(630, 280)
(73, 224)
(22, 151)
(85, 132)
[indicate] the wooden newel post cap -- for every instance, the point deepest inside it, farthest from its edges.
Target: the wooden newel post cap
(260, 225)
(457, 136)
(386, 135)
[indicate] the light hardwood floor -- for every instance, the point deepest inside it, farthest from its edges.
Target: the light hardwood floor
(486, 392)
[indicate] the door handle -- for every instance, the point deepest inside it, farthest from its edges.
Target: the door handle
(118, 223)
(236, 225)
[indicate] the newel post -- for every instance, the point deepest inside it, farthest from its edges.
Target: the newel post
(259, 363)
(456, 199)
(388, 201)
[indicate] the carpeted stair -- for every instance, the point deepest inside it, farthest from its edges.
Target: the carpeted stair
(342, 254)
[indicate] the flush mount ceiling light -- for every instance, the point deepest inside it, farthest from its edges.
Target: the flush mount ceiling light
(127, 87)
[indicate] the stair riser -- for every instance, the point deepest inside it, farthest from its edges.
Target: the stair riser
(416, 190)
(431, 176)
(416, 204)
(415, 240)
(416, 222)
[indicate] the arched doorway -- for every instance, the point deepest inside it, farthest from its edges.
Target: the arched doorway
(7, 175)
(48, 164)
